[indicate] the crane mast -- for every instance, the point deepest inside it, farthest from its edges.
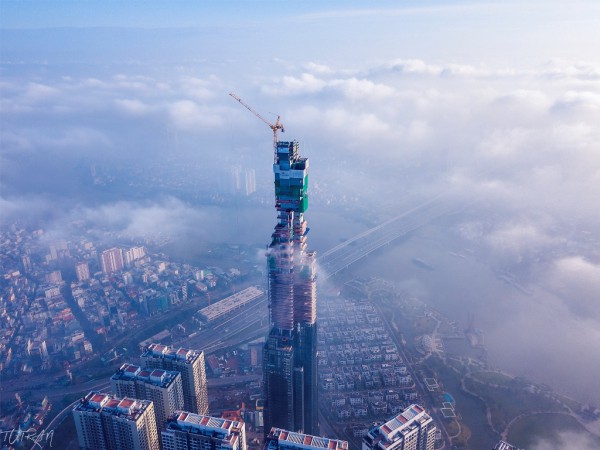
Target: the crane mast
(274, 127)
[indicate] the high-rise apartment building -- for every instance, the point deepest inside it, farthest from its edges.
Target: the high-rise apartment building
(289, 357)
(82, 269)
(106, 422)
(162, 387)
(111, 260)
(236, 179)
(26, 263)
(133, 254)
(243, 181)
(250, 181)
(412, 429)
(188, 431)
(190, 363)
(279, 439)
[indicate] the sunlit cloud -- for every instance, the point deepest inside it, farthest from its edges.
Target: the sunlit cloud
(133, 107)
(567, 439)
(188, 115)
(317, 68)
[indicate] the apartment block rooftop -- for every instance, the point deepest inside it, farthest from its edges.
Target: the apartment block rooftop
(399, 426)
(184, 355)
(224, 429)
(284, 439)
(125, 408)
(156, 377)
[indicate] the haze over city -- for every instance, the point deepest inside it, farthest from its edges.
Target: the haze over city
(116, 119)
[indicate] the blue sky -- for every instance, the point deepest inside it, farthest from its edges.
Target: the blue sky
(347, 32)
(152, 14)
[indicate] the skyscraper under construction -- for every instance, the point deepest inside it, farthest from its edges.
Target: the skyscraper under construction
(290, 366)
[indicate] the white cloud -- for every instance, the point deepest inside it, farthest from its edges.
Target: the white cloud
(413, 67)
(22, 208)
(529, 99)
(78, 138)
(577, 281)
(504, 142)
(166, 217)
(554, 70)
(93, 83)
(566, 440)
(351, 88)
(517, 238)
(357, 126)
(363, 90)
(140, 83)
(61, 141)
(548, 342)
(13, 142)
(133, 107)
(320, 69)
(36, 92)
(188, 115)
(201, 89)
(579, 100)
(305, 83)
(560, 69)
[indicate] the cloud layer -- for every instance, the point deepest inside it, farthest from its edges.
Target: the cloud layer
(385, 128)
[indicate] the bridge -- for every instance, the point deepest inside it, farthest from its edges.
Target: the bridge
(354, 249)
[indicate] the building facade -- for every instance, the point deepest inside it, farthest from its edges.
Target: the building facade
(82, 269)
(106, 422)
(279, 439)
(289, 357)
(412, 429)
(188, 431)
(111, 260)
(190, 363)
(164, 388)
(133, 254)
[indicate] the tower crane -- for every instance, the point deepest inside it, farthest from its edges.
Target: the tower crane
(275, 127)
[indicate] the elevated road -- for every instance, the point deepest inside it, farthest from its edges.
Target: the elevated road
(354, 249)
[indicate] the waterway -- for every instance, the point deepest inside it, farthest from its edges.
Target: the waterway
(527, 333)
